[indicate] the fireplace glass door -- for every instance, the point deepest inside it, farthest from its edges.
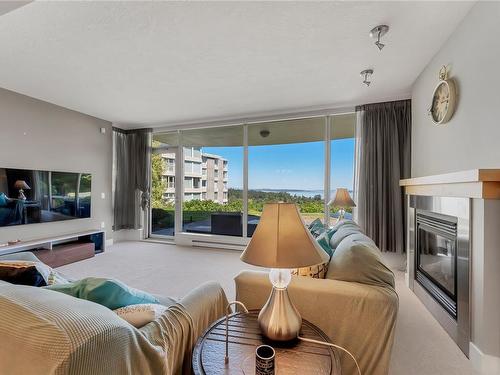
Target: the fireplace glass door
(436, 253)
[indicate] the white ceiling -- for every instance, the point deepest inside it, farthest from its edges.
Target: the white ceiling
(167, 63)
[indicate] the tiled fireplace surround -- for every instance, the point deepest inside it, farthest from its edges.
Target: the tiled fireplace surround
(478, 292)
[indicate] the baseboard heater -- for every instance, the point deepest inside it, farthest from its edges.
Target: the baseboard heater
(218, 245)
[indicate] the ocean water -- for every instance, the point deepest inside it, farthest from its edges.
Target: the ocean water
(297, 193)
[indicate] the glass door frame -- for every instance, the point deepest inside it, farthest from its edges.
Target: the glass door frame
(181, 237)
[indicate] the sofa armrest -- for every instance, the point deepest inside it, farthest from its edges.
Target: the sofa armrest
(359, 317)
(205, 304)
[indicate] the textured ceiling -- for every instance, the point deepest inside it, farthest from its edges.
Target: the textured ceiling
(166, 63)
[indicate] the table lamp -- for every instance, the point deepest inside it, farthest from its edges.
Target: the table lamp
(281, 242)
(21, 185)
(342, 200)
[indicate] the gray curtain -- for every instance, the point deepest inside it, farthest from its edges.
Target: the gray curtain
(132, 154)
(384, 158)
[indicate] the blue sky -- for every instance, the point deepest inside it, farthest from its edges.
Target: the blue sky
(298, 166)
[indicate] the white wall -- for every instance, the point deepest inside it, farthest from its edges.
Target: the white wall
(471, 138)
(39, 135)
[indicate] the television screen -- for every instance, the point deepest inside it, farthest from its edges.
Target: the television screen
(29, 196)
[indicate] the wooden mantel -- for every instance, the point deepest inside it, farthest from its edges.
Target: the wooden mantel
(474, 183)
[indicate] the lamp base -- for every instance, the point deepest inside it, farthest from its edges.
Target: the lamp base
(279, 320)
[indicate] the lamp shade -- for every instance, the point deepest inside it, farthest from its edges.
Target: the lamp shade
(281, 240)
(21, 184)
(342, 199)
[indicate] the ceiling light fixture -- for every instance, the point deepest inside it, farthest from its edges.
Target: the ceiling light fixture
(366, 74)
(378, 32)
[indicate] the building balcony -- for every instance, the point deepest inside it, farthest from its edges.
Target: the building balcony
(196, 159)
(192, 174)
(193, 189)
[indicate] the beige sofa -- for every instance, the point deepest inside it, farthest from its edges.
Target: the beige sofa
(46, 332)
(358, 313)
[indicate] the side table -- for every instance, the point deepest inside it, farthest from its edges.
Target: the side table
(296, 357)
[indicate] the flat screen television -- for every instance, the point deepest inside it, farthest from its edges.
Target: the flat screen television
(32, 196)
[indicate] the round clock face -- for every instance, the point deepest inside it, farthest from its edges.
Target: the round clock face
(442, 102)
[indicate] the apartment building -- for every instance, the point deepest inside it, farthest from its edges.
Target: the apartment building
(205, 176)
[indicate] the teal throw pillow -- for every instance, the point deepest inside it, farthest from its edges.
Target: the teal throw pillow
(324, 241)
(316, 228)
(107, 292)
(3, 200)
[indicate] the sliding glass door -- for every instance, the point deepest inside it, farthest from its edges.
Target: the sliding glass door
(164, 200)
(215, 181)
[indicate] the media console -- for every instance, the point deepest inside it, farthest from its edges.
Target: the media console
(62, 249)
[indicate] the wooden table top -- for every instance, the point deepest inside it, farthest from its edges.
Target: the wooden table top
(298, 357)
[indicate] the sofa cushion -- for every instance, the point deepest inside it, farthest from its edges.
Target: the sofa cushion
(107, 292)
(359, 261)
(345, 229)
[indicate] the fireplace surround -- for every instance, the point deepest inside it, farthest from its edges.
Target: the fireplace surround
(479, 192)
(439, 246)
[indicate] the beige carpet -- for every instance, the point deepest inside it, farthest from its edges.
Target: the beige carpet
(421, 347)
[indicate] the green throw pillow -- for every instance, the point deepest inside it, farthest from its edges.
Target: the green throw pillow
(107, 292)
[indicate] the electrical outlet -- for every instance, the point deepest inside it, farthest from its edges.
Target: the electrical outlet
(103, 196)
(103, 224)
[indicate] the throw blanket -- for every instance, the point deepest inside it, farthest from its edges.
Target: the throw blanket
(46, 332)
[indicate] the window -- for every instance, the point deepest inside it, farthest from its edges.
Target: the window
(342, 157)
(287, 165)
(188, 182)
(209, 212)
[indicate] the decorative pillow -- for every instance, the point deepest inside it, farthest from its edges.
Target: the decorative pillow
(50, 276)
(316, 228)
(316, 272)
(21, 273)
(324, 241)
(107, 292)
(359, 262)
(140, 315)
(3, 200)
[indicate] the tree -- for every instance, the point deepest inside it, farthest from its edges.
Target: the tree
(158, 185)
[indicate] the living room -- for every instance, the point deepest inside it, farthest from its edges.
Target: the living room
(323, 172)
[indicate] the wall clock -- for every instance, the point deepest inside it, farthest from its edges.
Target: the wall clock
(443, 99)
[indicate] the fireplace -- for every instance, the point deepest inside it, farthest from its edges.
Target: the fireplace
(436, 257)
(439, 246)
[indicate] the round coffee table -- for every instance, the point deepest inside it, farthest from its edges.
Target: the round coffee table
(298, 357)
